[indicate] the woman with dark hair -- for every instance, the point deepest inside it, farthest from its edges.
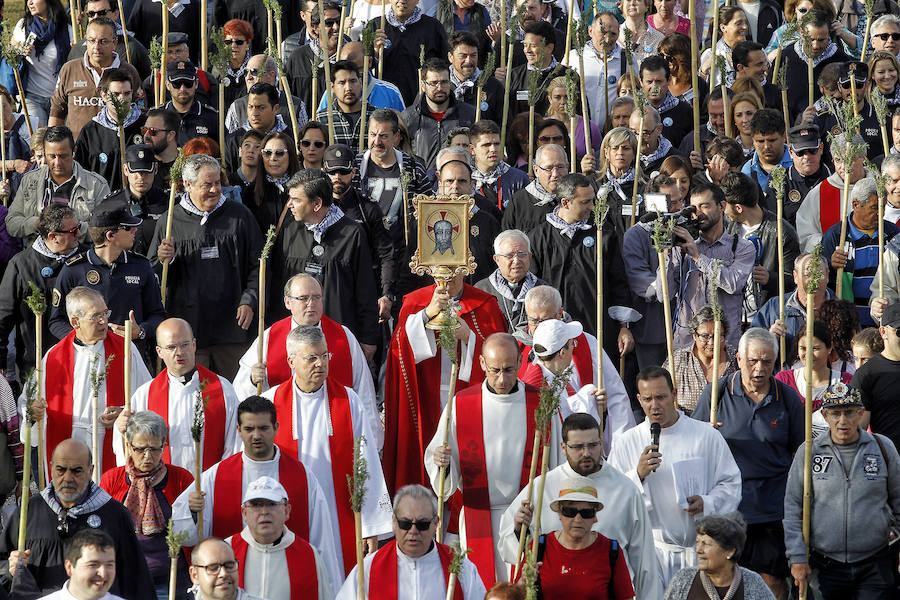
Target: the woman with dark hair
(279, 162)
(666, 20)
(676, 49)
(238, 35)
(45, 56)
(517, 142)
(681, 171)
(841, 317)
(551, 131)
(733, 28)
(312, 142)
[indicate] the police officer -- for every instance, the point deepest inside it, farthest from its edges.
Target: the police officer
(197, 119)
(870, 126)
(806, 148)
(142, 196)
(124, 279)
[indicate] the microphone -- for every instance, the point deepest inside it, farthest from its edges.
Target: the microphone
(649, 217)
(654, 434)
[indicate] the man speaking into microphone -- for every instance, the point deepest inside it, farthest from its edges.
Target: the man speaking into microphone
(683, 467)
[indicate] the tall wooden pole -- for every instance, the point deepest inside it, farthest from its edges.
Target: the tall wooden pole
(24, 105)
(503, 36)
(667, 314)
(505, 117)
(365, 95)
(76, 26)
(845, 199)
(323, 41)
(714, 387)
(807, 444)
(125, 32)
(165, 53)
(695, 74)
(442, 476)
(381, 50)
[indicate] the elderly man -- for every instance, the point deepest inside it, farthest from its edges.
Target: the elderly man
(66, 397)
(528, 207)
(886, 34)
(624, 517)
(414, 565)
(58, 230)
(60, 180)
(220, 239)
(488, 474)
(806, 171)
(762, 421)
(91, 579)
(173, 393)
(655, 148)
(76, 100)
(494, 179)
(266, 549)
(891, 258)
(214, 572)
(660, 468)
(512, 279)
(861, 262)
(94, 9)
(70, 503)
(857, 475)
(327, 417)
(262, 68)
(303, 298)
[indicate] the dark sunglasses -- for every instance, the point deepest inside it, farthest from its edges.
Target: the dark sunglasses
(316, 143)
(859, 83)
(805, 152)
(153, 131)
(73, 231)
(279, 152)
(884, 36)
(182, 83)
(92, 14)
(550, 138)
(406, 524)
(256, 72)
(332, 22)
(339, 171)
(570, 512)
(236, 42)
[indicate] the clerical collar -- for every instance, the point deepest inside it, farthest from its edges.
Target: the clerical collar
(186, 378)
(510, 393)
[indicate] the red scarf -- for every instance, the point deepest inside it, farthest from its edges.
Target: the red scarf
(340, 368)
(229, 487)
(383, 572)
(59, 384)
(214, 413)
(340, 444)
(470, 438)
(301, 564)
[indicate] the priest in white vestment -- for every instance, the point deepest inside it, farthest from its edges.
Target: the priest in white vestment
(66, 386)
(507, 426)
(691, 474)
(624, 515)
(414, 566)
(319, 421)
(303, 297)
(176, 346)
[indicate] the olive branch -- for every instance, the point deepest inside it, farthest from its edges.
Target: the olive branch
(199, 420)
(267, 246)
(177, 168)
(571, 93)
(121, 109)
(356, 483)
(661, 236)
(446, 338)
(814, 270)
(221, 58)
(98, 376)
(489, 68)
(36, 300)
(10, 49)
(457, 556)
(712, 289)
(174, 540)
(777, 178)
(601, 208)
(849, 123)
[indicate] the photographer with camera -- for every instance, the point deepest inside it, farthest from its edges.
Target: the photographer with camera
(691, 264)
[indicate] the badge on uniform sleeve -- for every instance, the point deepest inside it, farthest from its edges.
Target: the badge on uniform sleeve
(103, 158)
(56, 297)
(474, 230)
(94, 521)
(668, 121)
(588, 242)
(318, 250)
(93, 277)
(794, 195)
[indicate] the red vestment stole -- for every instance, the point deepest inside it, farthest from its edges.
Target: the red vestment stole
(60, 373)
(470, 437)
(214, 413)
(340, 368)
(829, 205)
(340, 444)
(229, 487)
(581, 356)
(383, 572)
(301, 563)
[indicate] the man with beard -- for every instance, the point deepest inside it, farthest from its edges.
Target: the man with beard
(692, 263)
(464, 74)
(624, 517)
(299, 65)
(197, 119)
(161, 133)
(870, 125)
(807, 171)
(346, 103)
(263, 69)
(69, 504)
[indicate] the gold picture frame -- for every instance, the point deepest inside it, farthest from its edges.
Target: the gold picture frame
(442, 236)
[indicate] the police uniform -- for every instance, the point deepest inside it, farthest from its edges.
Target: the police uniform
(796, 186)
(201, 120)
(127, 284)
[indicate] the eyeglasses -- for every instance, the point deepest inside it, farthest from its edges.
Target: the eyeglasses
(704, 337)
(436, 84)
(571, 512)
(73, 231)
(279, 152)
(256, 73)
(513, 255)
(214, 568)
(332, 22)
(580, 447)
(145, 450)
(103, 316)
(884, 36)
(179, 346)
(93, 14)
(181, 83)
(98, 42)
(312, 359)
(153, 131)
(550, 138)
(805, 152)
(421, 525)
(307, 299)
(552, 168)
(316, 143)
(236, 42)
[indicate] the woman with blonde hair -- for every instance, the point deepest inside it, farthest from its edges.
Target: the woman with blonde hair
(616, 158)
(743, 107)
(884, 70)
(557, 96)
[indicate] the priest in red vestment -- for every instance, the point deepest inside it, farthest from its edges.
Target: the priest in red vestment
(418, 371)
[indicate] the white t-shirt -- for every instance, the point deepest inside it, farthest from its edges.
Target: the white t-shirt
(751, 9)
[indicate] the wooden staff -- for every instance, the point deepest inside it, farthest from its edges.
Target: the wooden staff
(853, 89)
(714, 42)
(442, 475)
(365, 95)
(809, 75)
(539, 504)
(156, 77)
(270, 28)
(129, 326)
(506, 84)
(24, 106)
(695, 74)
(777, 179)
(37, 302)
(533, 91)
(381, 50)
(880, 239)
(845, 199)
(503, 38)
(76, 27)
(174, 541)
(314, 101)
(174, 181)
(523, 530)
(667, 314)
(340, 42)
(356, 482)
(600, 215)
(714, 388)
(323, 42)
(870, 6)
(637, 169)
(261, 331)
(198, 472)
(26, 459)
(197, 426)
(569, 33)
(165, 52)
(98, 376)
(808, 412)
(605, 88)
(125, 31)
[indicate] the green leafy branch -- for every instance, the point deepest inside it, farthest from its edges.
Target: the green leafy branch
(601, 209)
(220, 59)
(881, 180)
(199, 420)
(781, 75)
(712, 289)
(447, 337)
(9, 48)
(177, 168)
(456, 558)
(36, 300)
(121, 109)
(267, 246)
(356, 483)
(368, 41)
(572, 93)
(488, 71)
(661, 236)
(175, 541)
(98, 376)
(549, 398)
(579, 32)
(272, 52)
(776, 179)
(814, 270)
(879, 103)
(156, 52)
(849, 123)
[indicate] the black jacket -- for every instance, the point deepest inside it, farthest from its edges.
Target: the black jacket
(518, 56)
(427, 133)
(201, 120)
(97, 149)
(149, 208)
(370, 217)
(491, 100)
(770, 18)
(796, 71)
(518, 89)
(145, 21)
(523, 212)
(298, 68)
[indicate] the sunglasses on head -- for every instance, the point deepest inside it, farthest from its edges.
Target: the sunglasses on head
(236, 42)
(570, 512)
(182, 83)
(278, 152)
(421, 525)
(316, 143)
(846, 84)
(884, 36)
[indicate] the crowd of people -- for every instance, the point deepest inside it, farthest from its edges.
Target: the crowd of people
(234, 334)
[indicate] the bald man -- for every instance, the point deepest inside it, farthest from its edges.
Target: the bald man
(70, 503)
(504, 406)
(173, 395)
(382, 94)
(216, 584)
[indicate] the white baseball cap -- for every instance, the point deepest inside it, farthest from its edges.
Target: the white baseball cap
(552, 334)
(265, 488)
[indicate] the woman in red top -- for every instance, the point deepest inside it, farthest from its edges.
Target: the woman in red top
(577, 563)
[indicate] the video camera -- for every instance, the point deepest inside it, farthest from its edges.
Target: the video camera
(686, 217)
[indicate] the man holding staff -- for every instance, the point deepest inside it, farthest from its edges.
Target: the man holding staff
(603, 32)
(299, 65)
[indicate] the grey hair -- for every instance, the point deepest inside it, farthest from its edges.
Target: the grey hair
(890, 161)
(511, 235)
(569, 183)
(757, 335)
(146, 421)
(729, 531)
(302, 336)
(886, 20)
(651, 112)
(454, 151)
(78, 297)
(863, 190)
(839, 144)
(416, 492)
(194, 163)
(707, 315)
(621, 101)
(298, 277)
(798, 262)
(544, 295)
(542, 150)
